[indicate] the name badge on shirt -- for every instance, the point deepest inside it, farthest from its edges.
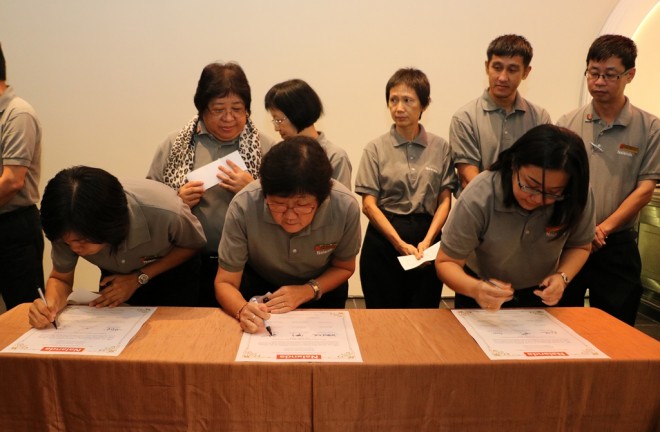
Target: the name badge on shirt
(149, 259)
(627, 150)
(551, 231)
(325, 248)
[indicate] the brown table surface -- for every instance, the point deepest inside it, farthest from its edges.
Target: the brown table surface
(421, 371)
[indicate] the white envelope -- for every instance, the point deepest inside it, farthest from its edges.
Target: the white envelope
(208, 172)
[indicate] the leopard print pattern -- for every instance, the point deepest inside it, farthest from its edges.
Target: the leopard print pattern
(181, 159)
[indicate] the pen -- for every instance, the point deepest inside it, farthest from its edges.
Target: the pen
(43, 298)
(270, 332)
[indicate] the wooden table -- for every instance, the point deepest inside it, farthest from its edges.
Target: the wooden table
(421, 371)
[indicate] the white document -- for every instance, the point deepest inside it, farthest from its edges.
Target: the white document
(208, 172)
(524, 334)
(303, 336)
(409, 262)
(85, 330)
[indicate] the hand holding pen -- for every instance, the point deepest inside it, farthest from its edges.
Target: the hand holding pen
(43, 299)
(493, 293)
(262, 299)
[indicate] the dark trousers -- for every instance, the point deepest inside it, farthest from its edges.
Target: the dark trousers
(21, 255)
(207, 274)
(253, 284)
(178, 286)
(385, 284)
(522, 298)
(612, 275)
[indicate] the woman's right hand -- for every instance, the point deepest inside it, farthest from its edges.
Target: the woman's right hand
(252, 316)
(40, 315)
(493, 293)
(192, 192)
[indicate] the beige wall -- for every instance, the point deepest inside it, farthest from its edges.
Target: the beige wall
(111, 79)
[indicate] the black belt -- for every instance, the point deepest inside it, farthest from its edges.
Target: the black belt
(423, 217)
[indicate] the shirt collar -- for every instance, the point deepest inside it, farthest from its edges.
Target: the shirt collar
(6, 97)
(487, 103)
(421, 138)
(623, 119)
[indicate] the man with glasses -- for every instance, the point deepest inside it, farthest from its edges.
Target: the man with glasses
(486, 126)
(623, 143)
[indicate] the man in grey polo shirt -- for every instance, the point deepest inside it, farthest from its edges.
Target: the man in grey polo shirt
(486, 126)
(139, 233)
(623, 143)
(21, 240)
(295, 232)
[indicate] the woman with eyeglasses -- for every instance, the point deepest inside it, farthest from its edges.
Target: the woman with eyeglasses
(405, 179)
(522, 229)
(294, 233)
(221, 126)
(295, 107)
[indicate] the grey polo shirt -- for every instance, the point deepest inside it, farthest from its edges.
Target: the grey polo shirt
(341, 165)
(158, 221)
(20, 145)
(481, 130)
(620, 154)
(252, 235)
(406, 177)
(507, 243)
(212, 208)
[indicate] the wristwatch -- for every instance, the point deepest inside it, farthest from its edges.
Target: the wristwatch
(564, 277)
(143, 278)
(317, 289)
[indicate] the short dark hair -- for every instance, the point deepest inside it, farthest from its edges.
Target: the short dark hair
(297, 100)
(87, 201)
(510, 45)
(297, 165)
(413, 78)
(550, 147)
(3, 66)
(219, 80)
(607, 46)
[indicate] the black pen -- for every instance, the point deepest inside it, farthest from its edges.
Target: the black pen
(43, 299)
(270, 332)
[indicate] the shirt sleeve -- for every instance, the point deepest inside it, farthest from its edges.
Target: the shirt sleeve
(463, 141)
(233, 247)
(367, 178)
(19, 139)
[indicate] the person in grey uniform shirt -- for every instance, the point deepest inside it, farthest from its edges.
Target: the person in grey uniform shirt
(623, 143)
(21, 240)
(222, 126)
(486, 126)
(295, 107)
(405, 179)
(523, 228)
(294, 233)
(143, 238)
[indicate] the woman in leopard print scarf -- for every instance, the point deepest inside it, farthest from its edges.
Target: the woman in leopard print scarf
(221, 126)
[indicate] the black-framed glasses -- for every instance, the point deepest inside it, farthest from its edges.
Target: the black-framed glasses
(593, 75)
(532, 191)
(282, 208)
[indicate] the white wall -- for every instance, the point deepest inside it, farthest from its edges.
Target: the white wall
(110, 79)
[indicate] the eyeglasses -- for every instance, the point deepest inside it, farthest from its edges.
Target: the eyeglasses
(282, 208)
(609, 77)
(235, 112)
(533, 191)
(278, 122)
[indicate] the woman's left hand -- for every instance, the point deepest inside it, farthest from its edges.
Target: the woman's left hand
(233, 178)
(119, 288)
(551, 289)
(289, 297)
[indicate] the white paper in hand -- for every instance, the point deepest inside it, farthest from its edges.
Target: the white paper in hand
(409, 262)
(208, 172)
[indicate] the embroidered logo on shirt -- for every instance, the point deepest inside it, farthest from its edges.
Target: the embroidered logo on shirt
(322, 249)
(627, 150)
(433, 170)
(149, 259)
(551, 231)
